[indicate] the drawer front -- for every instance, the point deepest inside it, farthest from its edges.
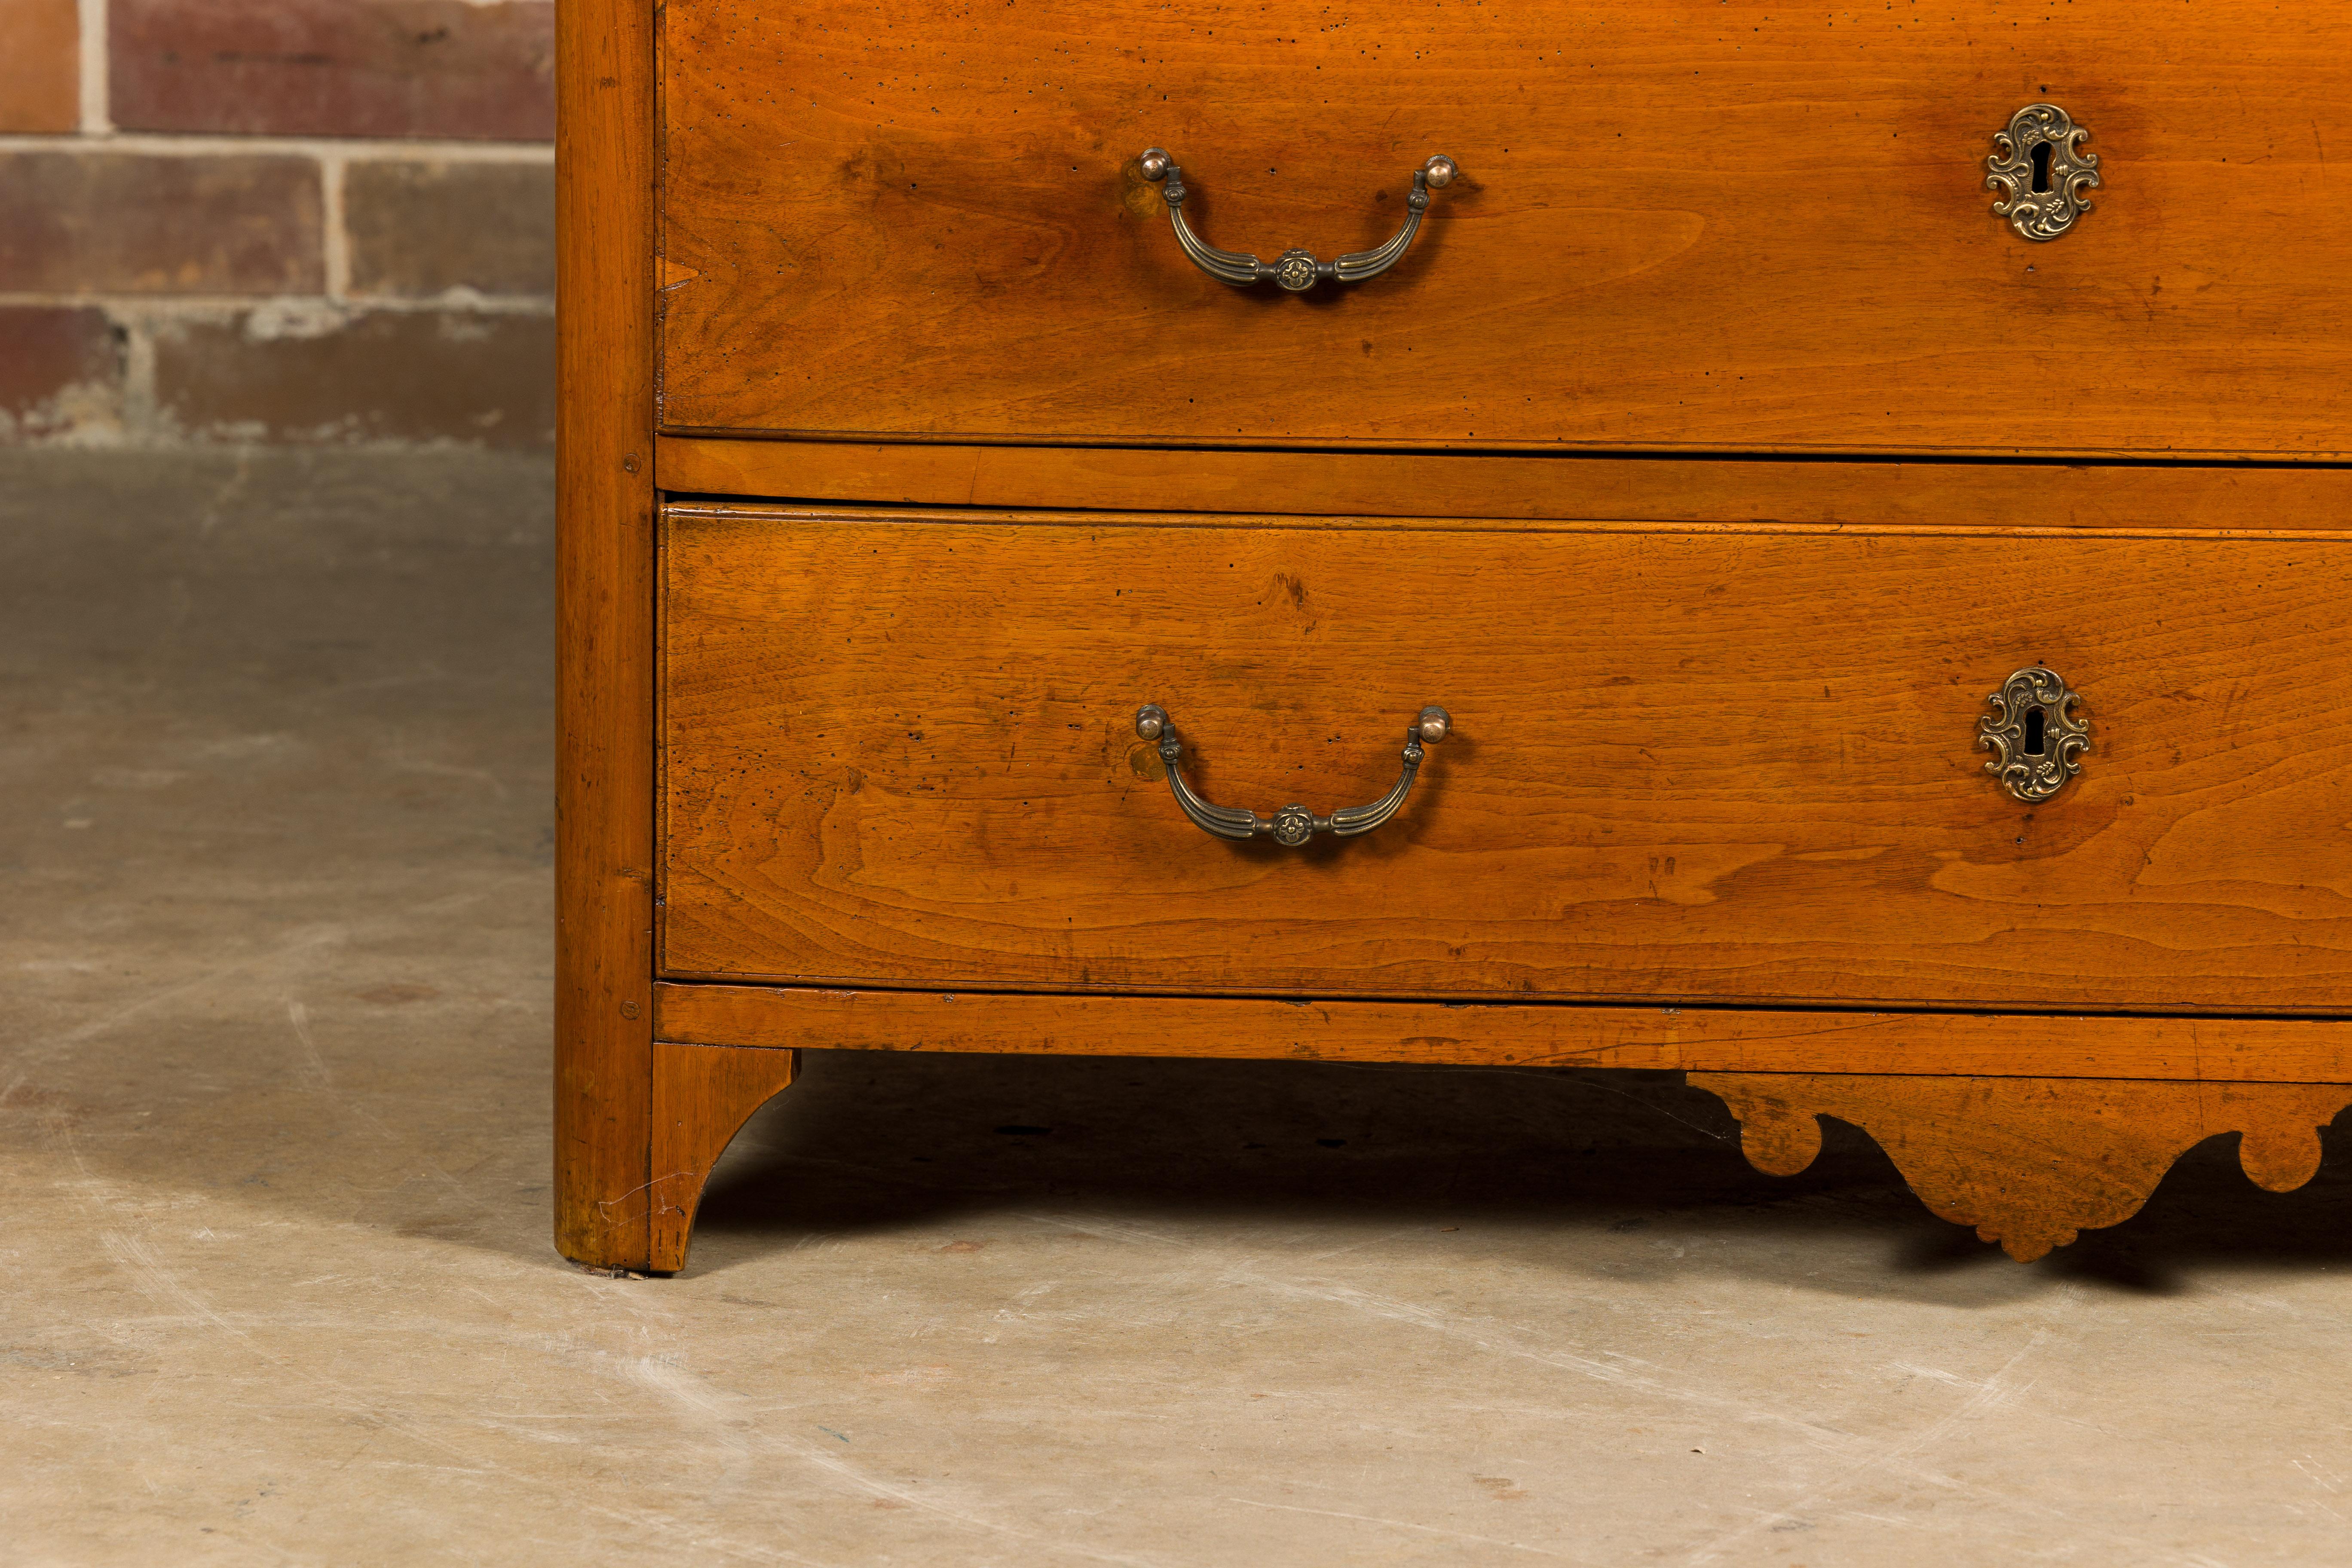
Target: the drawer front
(1708, 765)
(1679, 224)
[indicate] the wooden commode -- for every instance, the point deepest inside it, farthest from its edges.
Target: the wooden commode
(1804, 550)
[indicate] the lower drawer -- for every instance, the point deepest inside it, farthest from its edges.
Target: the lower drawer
(1704, 766)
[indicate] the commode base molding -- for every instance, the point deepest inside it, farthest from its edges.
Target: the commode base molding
(2030, 1127)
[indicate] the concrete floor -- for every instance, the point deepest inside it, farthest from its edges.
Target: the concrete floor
(278, 1287)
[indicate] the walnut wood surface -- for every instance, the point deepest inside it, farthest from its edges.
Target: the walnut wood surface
(1696, 1039)
(604, 851)
(1699, 223)
(2031, 1161)
(1348, 487)
(703, 1095)
(1728, 766)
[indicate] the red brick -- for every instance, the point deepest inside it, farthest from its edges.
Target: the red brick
(277, 374)
(335, 68)
(60, 367)
(419, 228)
(124, 223)
(40, 65)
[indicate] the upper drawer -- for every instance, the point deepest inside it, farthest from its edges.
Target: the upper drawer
(1679, 224)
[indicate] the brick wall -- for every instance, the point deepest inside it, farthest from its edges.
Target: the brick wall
(276, 220)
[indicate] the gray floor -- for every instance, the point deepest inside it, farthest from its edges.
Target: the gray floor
(278, 1288)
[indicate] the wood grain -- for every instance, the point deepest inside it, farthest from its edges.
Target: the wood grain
(1349, 487)
(2031, 1161)
(1710, 225)
(604, 604)
(1733, 767)
(703, 1095)
(1695, 1039)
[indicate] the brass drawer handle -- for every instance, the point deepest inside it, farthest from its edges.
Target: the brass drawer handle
(1297, 270)
(1293, 825)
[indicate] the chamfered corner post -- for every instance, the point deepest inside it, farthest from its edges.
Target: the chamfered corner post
(605, 613)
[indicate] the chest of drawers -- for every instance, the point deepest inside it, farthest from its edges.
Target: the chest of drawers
(1805, 551)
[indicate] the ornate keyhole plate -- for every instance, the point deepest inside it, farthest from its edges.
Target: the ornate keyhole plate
(2042, 172)
(2034, 738)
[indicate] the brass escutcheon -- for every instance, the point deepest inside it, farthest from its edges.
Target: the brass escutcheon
(2034, 736)
(2042, 172)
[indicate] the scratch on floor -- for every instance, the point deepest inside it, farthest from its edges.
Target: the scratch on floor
(300, 1016)
(157, 1279)
(1408, 1524)
(398, 756)
(1990, 1394)
(694, 1395)
(1846, 1445)
(301, 946)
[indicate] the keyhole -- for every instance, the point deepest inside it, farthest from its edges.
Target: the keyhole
(2033, 723)
(2040, 188)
